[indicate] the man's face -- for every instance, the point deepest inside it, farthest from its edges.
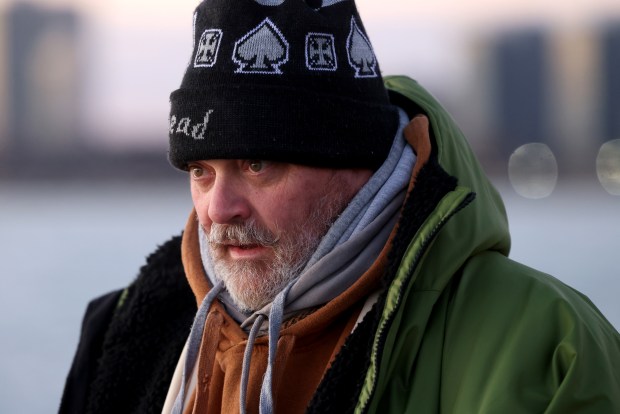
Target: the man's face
(265, 219)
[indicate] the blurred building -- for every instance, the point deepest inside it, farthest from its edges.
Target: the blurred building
(575, 97)
(43, 82)
(3, 87)
(521, 89)
(610, 81)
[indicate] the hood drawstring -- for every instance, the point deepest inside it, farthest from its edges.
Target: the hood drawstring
(247, 358)
(275, 323)
(193, 345)
(195, 340)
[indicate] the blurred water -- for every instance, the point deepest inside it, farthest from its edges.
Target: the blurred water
(64, 243)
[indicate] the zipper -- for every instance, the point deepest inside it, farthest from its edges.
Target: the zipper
(380, 336)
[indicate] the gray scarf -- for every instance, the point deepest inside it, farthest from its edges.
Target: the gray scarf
(346, 252)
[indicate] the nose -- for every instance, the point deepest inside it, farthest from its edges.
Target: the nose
(227, 202)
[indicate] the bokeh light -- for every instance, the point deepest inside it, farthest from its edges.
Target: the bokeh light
(533, 170)
(608, 166)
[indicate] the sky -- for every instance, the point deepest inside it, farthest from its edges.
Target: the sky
(173, 13)
(134, 51)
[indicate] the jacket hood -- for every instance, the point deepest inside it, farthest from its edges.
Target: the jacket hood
(459, 214)
(483, 224)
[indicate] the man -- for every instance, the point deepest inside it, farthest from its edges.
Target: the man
(346, 253)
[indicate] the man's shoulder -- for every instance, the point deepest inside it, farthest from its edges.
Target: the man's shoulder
(510, 324)
(167, 255)
(499, 300)
(146, 334)
(491, 279)
(161, 280)
(133, 336)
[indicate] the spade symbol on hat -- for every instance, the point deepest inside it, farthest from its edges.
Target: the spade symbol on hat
(361, 56)
(262, 50)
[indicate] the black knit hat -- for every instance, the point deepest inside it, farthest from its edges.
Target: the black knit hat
(283, 80)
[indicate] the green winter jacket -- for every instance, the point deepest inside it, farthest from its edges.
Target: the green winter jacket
(464, 329)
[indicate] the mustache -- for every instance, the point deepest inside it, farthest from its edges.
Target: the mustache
(243, 234)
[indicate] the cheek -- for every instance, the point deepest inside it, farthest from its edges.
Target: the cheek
(201, 205)
(292, 209)
(275, 210)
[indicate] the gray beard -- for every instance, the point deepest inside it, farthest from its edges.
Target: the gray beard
(254, 283)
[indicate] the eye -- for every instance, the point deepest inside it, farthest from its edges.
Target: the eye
(256, 165)
(195, 171)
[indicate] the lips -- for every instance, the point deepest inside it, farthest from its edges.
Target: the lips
(246, 251)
